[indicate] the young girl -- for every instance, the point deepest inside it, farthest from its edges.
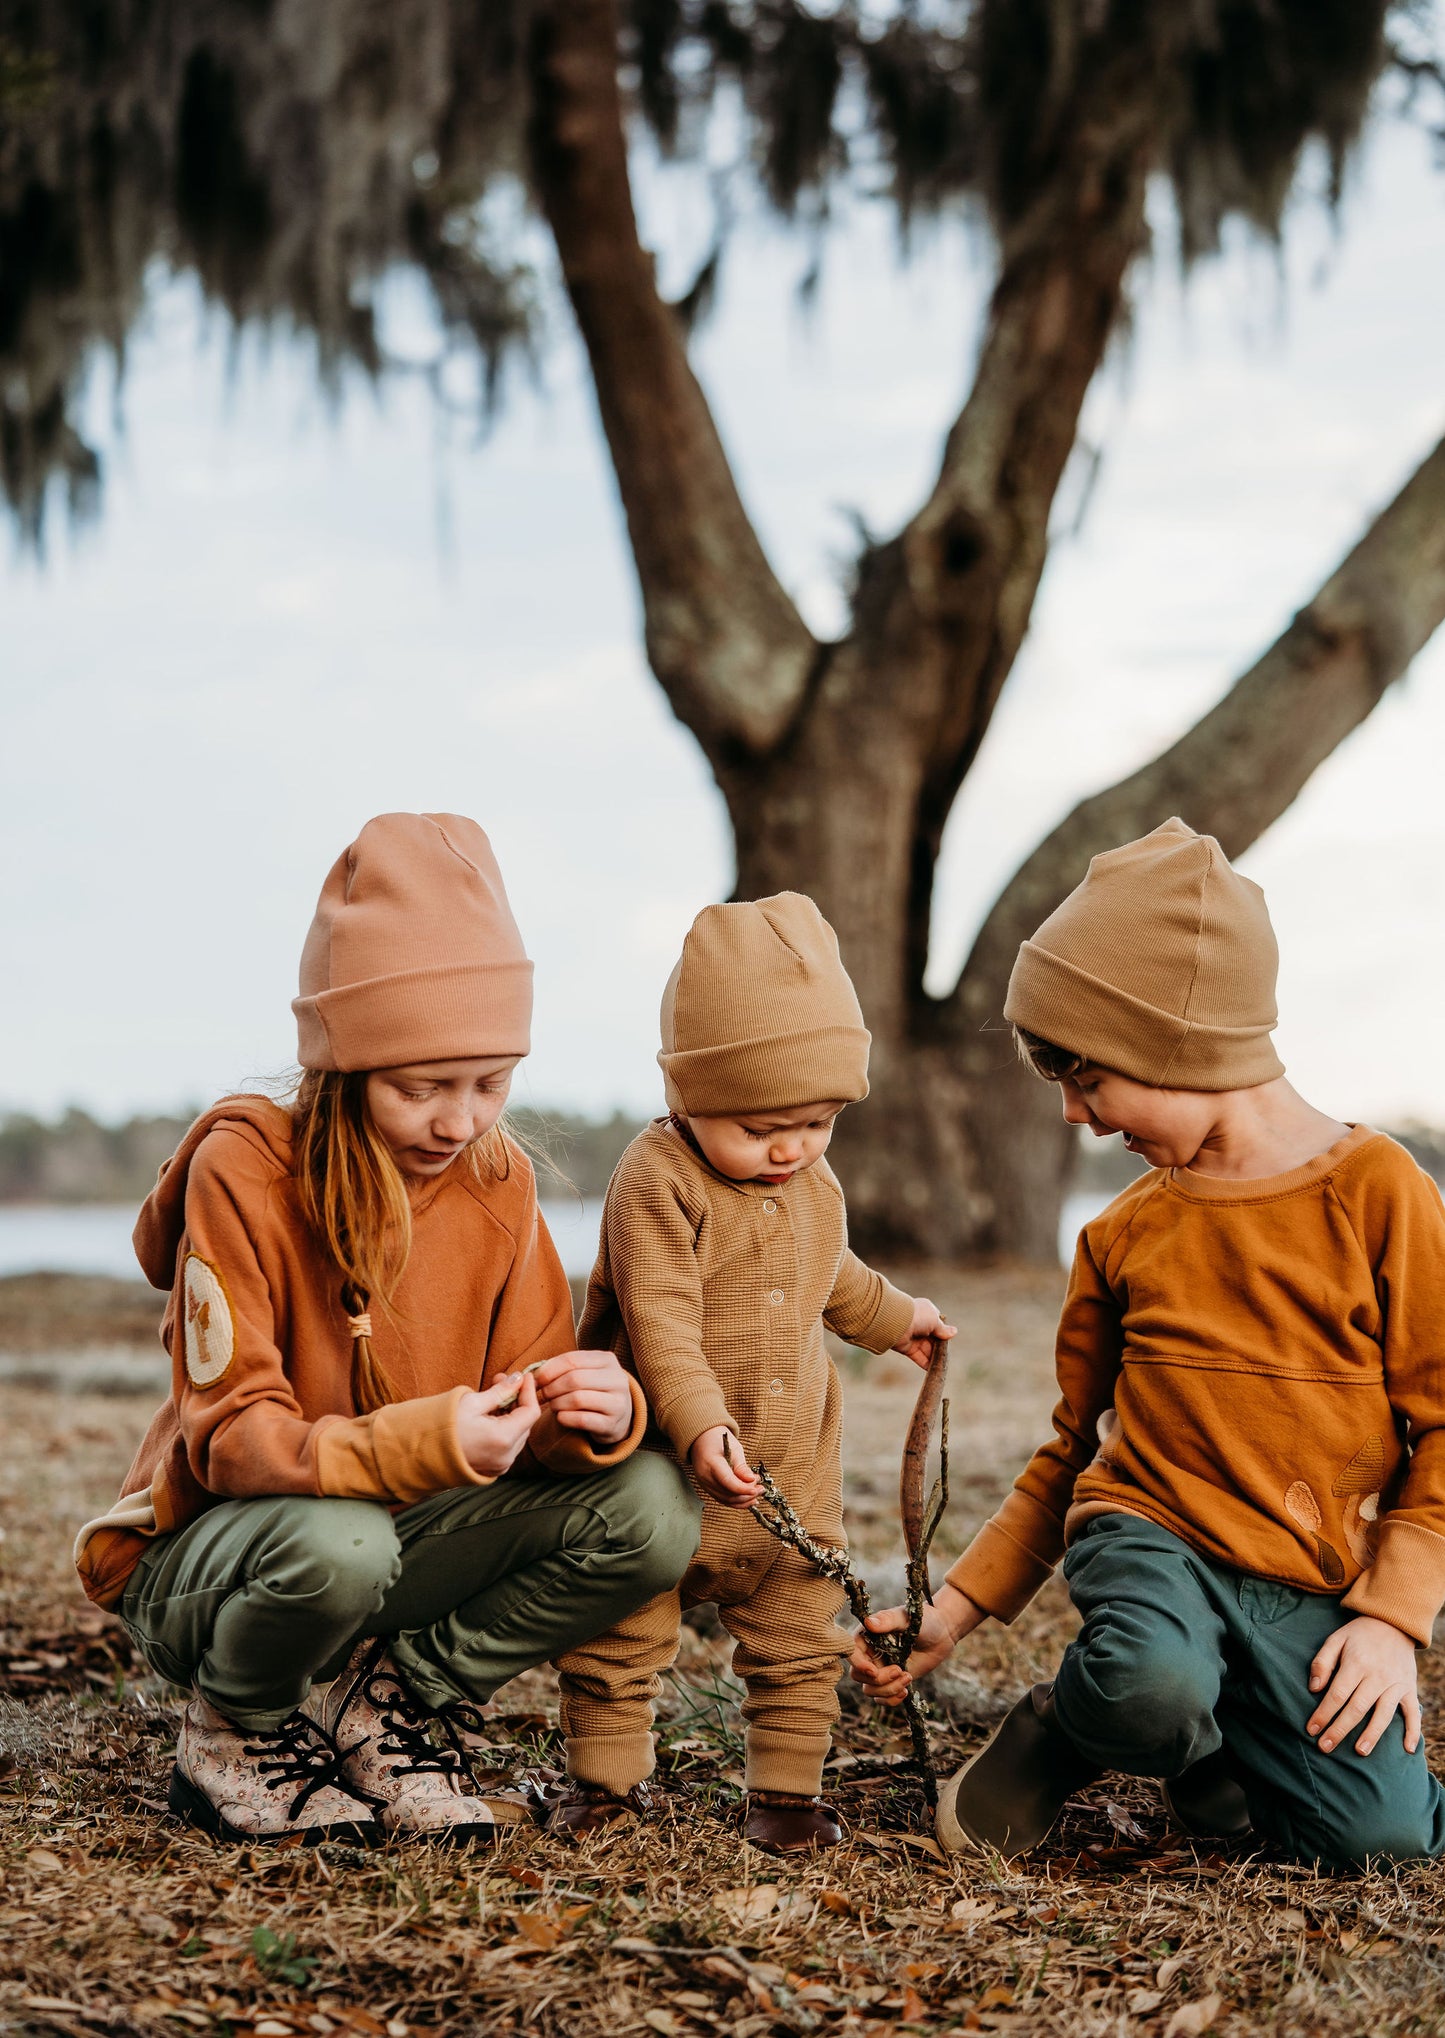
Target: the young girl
(369, 1327)
(1247, 1475)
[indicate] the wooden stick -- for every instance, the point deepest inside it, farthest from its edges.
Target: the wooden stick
(915, 1451)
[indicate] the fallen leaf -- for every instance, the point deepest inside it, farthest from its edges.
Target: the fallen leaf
(749, 1906)
(996, 1998)
(1165, 1972)
(397, 2027)
(835, 1901)
(1142, 2000)
(919, 1970)
(720, 1970)
(1124, 1823)
(52, 2003)
(972, 1910)
(634, 1946)
(1192, 2018)
(43, 1861)
(541, 1931)
(660, 2020)
(692, 1999)
(913, 2009)
(271, 2027)
(153, 1924)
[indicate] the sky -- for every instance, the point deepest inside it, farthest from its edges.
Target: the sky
(287, 619)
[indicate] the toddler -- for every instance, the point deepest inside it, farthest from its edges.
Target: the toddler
(723, 1254)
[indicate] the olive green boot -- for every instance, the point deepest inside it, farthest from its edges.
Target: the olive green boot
(1206, 1799)
(1010, 1794)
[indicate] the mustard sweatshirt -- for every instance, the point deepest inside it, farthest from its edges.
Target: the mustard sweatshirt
(1259, 1366)
(261, 1352)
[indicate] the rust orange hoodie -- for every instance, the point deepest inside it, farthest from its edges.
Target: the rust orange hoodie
(261, 1351)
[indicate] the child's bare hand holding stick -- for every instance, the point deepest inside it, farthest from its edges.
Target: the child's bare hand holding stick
(927, 1324)
(719, 1467)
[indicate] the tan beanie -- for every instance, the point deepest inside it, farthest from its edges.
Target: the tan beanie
(760, 1014)
(413, 954)
(1161, 965)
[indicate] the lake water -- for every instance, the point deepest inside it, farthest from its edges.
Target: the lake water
(94, 1238)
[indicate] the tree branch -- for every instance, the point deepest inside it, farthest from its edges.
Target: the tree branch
(954, 592)
(724, 639)
(1238, 768)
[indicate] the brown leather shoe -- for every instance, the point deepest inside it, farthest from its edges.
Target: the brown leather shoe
(780, 1823)
(568, 1805)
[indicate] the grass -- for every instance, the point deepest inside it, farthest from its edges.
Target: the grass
(114, 1919)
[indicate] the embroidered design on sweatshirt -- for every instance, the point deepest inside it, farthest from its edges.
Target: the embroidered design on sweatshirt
(1359, 1487)
(209, 1331)
(1303, 1509)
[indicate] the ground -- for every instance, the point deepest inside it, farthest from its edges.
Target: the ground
(113, 1919)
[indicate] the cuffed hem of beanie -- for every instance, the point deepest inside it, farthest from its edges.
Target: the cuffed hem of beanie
(792, 1763)
(827, 1065)
(614, 1762)
(449, 1012)
(1064, 1005)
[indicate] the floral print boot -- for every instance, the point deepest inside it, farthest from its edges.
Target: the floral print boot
(389, 1758)
(273, 1783)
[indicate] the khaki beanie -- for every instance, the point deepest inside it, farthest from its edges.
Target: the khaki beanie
(760, 1014)
(1161, 965)
(413, 954)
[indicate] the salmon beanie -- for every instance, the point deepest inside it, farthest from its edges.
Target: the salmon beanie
(413, 954)
(1160, 965)
(760, 1014)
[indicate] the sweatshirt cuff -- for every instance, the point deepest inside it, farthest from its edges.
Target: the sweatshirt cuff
(684, 1419)
(890, 1320)
(1000, 1570)
(404, 1452)
(573, 1450)
(1406, 1583)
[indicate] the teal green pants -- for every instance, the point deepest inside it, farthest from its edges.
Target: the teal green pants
(1178, 1655)
(256, 1600)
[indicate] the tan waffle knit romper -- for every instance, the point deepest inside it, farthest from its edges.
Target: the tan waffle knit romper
(715, 1293)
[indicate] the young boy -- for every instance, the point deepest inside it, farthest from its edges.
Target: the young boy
(1247, 1475)
(724, 1252)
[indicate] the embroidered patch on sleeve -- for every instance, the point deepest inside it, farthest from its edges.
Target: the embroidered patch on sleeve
(210, 1333)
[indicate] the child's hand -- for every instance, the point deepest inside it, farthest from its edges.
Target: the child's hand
(721, 1470)
(587, 1391)
(927, 1324)
(491, 1443)
(952, 1616)
(1366, 1667)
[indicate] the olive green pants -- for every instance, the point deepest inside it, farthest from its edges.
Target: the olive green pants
(256, 1600)
(1179, 1655)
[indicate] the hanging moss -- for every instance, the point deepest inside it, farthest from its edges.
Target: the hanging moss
(287, 157)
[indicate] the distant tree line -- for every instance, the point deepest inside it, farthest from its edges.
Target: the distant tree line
(77, 1159)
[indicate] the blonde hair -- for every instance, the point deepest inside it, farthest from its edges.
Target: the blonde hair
(354, 1197)
(1054, 1064)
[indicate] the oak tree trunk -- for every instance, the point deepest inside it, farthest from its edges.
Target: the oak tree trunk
(840, 761)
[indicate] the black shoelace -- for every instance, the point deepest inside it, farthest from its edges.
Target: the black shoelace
(295, 1752)
(405, 1727)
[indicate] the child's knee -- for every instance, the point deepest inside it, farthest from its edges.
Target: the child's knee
(653, 1522)
(1148, 1710)
(340, 1554)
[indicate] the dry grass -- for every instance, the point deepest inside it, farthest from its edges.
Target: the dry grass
(114, 1919)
